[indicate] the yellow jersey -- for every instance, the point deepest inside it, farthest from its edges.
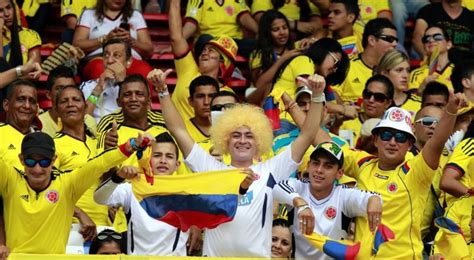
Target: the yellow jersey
(351, 45)
(105, 123)
(412, 104)
(290, 9)
(30, 7)
(51, 127)
(462, 162)
(404, 191)
(217, 19)
(71, 154)
(39, 222)
(195, 132)
(10, 145)
(29, 40)
(75, 8)
(369, 10)
(418, 75)
(469, 4)
(351, 89)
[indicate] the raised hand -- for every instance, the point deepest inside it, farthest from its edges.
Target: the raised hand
(158, 79)
(456, 101)
(251, 176)
(316, 83)
(111, 137)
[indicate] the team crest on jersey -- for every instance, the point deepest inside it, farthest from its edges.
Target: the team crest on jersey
(229, 10)
(330, 212)
(52, 196)
(392, 187)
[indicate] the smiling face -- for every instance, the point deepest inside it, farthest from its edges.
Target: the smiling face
(281, 242)
(375, 108)
(280, 32)
(37, 177)
(391, 152)
(134, 100)
(436, 38)
(164, 159)
(22, 107)
(242, 145)
(322, 172)
(71, 107)
(329, 64)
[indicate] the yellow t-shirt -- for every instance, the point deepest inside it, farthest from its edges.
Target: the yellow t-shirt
(404, 191)
(351, 89)
(412, 104)
(462, 161)
(39, 222)
(51, 128)
(10, 145)
(105, 123)
(215, 19)
(29, 39)
(418, 75)
(70, 7)
(369, 9)
(71, 154)
(290, 9)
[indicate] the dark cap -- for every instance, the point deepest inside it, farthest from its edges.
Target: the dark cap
(37, 143)
(331, 149)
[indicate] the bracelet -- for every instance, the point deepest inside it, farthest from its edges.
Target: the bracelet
(319, 99)
(451, 114)
(163, 93)
(302, 207)
(93, 99)
(289, 107)
(242, 191)
(18, 71)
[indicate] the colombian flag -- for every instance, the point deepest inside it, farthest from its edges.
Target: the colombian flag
(272, 111)
(450, 240)
(202, 199)
(340, 250)
(382, 235)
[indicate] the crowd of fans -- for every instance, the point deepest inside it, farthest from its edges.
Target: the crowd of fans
(357, 121)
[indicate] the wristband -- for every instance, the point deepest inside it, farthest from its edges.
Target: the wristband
(319, 99)
(163, 93)
(289, 107)
(242, 191)
(115, 178)
(93, 99)
(18, 71)
(301, 208)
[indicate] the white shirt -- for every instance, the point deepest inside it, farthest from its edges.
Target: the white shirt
(89, 20)
(332, 214)
(249, 233)
(107, 102)
(146, 235)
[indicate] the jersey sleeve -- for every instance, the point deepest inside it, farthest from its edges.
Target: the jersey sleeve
(285, 191)
(201, 161)
(282, 165)
(139, 21)
(114, 194)
(31, 39)
(355, 201)
(419, 173)
(354, 160)
(86, 19)
(462, 156)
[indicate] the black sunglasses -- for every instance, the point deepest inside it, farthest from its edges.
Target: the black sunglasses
(219, 107)
(378, 97)
(436, 37)
(428, 121)
(387, 38)
(43, 162)
(387, 135)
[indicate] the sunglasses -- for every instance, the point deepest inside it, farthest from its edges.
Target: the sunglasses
(387, 135)
(436, 37)
(428, 121)
(336, 60)
(378, 97)
(387, 38)
(43, 163)
(104, 236)
(219, 107)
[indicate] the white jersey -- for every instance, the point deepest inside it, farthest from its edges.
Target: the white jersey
(107, 102)
(96, 29)
(146, 235)
(332, 214)
(249, 233)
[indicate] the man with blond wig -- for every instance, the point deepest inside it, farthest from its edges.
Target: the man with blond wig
(244, 133)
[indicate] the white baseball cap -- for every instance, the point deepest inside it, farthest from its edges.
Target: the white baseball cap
(398, 119)
(301, 90)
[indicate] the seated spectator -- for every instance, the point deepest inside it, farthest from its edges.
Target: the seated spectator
(394, 65)
(274, 47)
(342, 16)
(70, 12)
(19, 44)
(435, 94)
(101, 94)
(463, 79)
(304, 15)
(434, 39)
(458, 21)
(209, 19)
(377, 97)
(107, 242)
(112, 20)
(281, 239)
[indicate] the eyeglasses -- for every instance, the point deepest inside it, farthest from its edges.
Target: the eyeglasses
(387, 135)
(104, 236)
(43, 163)
(378, 97)
(336, 60)
(387, 38)
(436, 37)
(428, 121)
(219, 107)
